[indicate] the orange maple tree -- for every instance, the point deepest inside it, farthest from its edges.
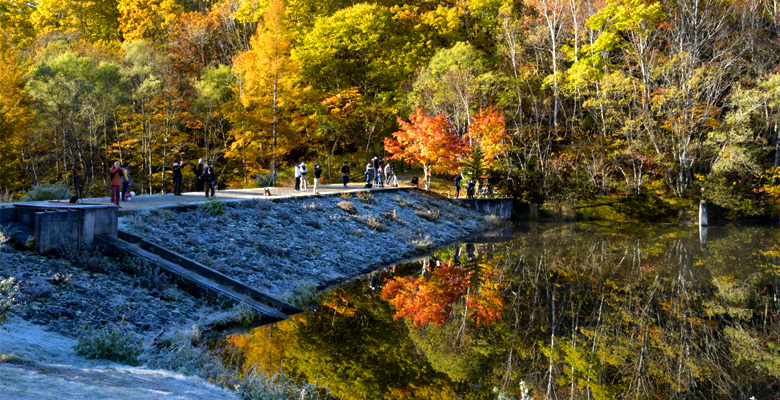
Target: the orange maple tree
(429, 299)
(429, 142)
(488, 130)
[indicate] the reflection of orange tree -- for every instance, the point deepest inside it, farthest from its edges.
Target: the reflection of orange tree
(430, 298)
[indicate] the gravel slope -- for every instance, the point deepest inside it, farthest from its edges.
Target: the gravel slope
(279, 247)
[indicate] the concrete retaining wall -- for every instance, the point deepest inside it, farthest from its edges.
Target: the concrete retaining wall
(501, 208)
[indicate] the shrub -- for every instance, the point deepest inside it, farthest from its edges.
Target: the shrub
(182, 351)
(110, 343)
(304, 296)
(89, 259)
(422, 244)
(263, 384)
(5, 197)
(366, 197)
(54, 191)
(213, 207)
(375, 224)
(347, 206)
(430, 215)
(8, 291)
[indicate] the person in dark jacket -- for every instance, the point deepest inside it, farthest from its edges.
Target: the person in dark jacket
(470, 188)
(208, 179)
(198, 170)
(457, 185)
(177, 177)
(317, 175)
(345, 173)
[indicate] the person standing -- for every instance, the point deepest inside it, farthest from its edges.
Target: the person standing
(317, 175)
(369, 174)
(470, 188)
(115, 174)
(457, 185)
(177, 177)
(375, 164)
(345, 173)
(297, 177)
(304, 181)
(198, 170)
(208, 179)
(388, 174)
(125, 180)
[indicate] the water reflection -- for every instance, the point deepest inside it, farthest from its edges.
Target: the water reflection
(570, 311)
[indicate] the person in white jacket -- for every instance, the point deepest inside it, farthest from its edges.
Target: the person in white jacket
(304, 182)
(297, 177)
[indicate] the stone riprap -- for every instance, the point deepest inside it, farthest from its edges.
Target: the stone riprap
(283, 246)
(86, 289)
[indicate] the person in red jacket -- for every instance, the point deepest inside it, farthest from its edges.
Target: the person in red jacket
(115, 173)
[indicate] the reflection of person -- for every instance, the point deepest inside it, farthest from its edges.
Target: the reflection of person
(177, 166)
(317, 175)
(125, 180)
(208, 179)
(115, 173)
(345, 173)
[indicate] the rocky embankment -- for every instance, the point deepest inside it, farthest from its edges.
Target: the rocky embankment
(289, 247)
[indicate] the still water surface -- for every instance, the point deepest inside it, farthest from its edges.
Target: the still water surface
(549, 311)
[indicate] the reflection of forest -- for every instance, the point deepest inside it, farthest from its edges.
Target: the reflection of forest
(580, 311)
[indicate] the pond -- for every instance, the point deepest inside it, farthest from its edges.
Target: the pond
(546, 311)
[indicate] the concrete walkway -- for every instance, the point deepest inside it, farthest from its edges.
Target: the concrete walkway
(146, 201)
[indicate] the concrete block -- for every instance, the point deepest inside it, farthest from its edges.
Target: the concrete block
(56, 229)
(7, 214)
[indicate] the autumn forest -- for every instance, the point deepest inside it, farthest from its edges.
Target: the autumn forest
(558, 99)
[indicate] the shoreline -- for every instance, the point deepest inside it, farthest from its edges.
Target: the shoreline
(66, 293)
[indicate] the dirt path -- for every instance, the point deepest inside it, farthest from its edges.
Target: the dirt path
(143, 202)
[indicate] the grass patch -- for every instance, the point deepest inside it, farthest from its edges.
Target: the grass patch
(110, 343)
(8, 291)
(422, 244)
(213, 207)
(366, 197)
(347, 206)
(430, 215)
(375, 224)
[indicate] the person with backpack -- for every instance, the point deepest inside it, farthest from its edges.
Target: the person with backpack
(345, 173)
(115, 174)
(125, 180)
(317, 175)
(470, 188)
(304, 181)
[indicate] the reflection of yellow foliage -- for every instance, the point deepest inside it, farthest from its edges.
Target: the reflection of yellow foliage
(339, 303)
